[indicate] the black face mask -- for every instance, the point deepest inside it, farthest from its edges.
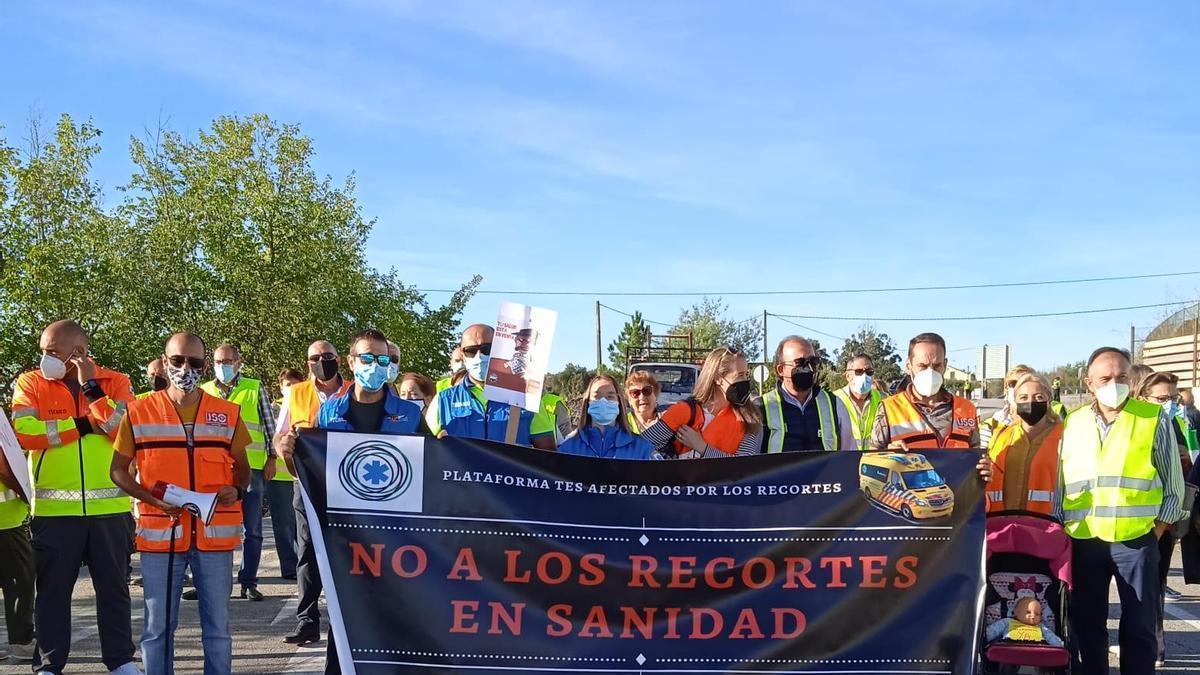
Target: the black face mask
(159, 383)
(738, 393)
(803, 379)
(1032, 411)
(325, 369)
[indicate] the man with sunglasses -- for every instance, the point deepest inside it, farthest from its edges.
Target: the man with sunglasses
(860, 398)
(185, 437)
(461, 410)
(65, 415)
(266, 481)
(299, 410)
(800, 416)
(370, 406)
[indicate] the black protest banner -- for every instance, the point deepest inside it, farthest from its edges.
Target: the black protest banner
(467, 556)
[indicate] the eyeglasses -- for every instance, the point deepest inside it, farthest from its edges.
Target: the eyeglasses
(178, 361)
(861, 371)
(472, 350)
(368, 359)
(646, 391)
(1163, 399)
(325, 356)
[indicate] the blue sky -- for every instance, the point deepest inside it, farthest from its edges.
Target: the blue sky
(698, 146)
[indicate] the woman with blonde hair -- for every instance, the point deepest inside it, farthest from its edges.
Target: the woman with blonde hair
(602, 429)
(718, 420)
(1025, 453)
(1005, 415)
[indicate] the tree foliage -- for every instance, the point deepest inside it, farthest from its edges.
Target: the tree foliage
(230, 234)
(633, 335)
(710, 327)
(885, 359)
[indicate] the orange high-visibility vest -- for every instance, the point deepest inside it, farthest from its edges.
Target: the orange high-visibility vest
(906, 424)
(305, 402)
(1027, 484)
(203, 463)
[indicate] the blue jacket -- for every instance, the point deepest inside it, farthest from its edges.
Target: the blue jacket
(463, 416)
(399, 415)
(615, 443)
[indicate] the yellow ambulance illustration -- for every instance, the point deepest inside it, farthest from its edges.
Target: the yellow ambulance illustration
(905, 483)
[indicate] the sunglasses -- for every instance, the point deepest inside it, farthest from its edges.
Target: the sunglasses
(861, 371)
(812, 362)
(368, 359)
(179, 360)
(471, 351)
(646, 391)
(327, 356)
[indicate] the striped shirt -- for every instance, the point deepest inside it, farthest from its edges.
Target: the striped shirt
(1165, 459)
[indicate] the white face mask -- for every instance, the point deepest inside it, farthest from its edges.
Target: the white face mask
(861, 384)
(927, 382)
(52, 368)
(1113, 394)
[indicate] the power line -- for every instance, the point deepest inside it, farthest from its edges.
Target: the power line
(627, 314)
(984, 318)
(818, 291)
(812, 330)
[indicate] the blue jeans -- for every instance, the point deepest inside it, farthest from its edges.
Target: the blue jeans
(212, 573)
(283, 520)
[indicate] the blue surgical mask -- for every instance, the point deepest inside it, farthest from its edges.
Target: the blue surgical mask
(861, 384)
(371, 377)
(225, 372)
(393, 371)
(1169, 407)
(603, 411)
(477, 366)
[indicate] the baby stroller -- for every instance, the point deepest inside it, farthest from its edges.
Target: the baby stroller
(1028, 555)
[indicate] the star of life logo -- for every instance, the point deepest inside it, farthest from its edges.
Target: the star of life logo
(374, 472)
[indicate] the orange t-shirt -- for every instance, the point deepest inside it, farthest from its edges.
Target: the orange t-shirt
(724, 431)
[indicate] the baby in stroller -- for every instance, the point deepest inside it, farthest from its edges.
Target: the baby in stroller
(1025, 625)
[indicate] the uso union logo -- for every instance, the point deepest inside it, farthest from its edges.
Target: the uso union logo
(375, 471)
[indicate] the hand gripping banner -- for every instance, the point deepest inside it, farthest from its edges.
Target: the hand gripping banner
(463, 556)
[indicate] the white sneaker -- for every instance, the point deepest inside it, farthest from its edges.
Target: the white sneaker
(1115, 650)
(1161, 663)
(24, 651)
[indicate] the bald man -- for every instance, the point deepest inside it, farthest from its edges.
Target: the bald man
(185, 437)
(299, 411)
(156, 378)
(462, 409)
(66, 414)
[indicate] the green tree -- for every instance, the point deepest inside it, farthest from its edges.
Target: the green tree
(1069, 374)
(710, 327)
(61, 251)
(885, 359)
(632, 337)
(230, 234)
(250, 245)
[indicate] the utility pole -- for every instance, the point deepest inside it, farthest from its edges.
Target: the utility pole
(1132, 353)
(599, 358)
(1195, 342)
(765, 348)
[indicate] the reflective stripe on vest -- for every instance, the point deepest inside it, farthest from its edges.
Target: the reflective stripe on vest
(861, 425)
(8, 495)
(1024, 477)
(201, 462)
(905, 423)
(777, 428)
(71, 479)
(1111, 489)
